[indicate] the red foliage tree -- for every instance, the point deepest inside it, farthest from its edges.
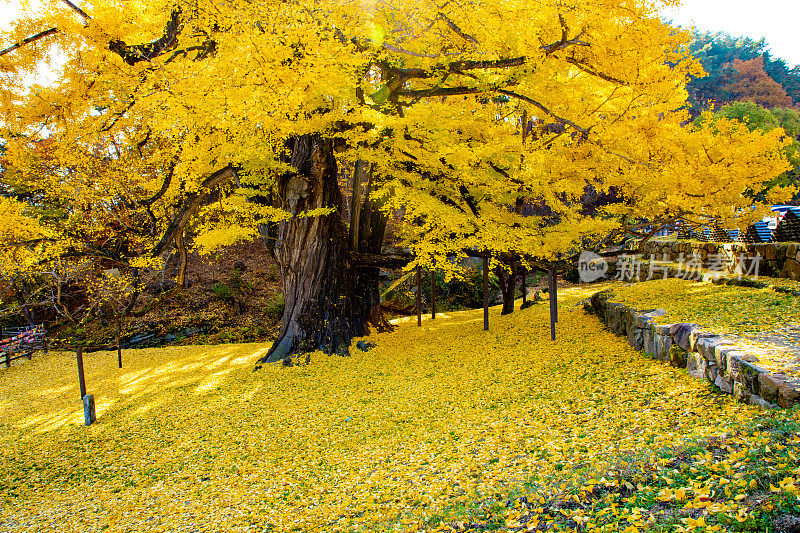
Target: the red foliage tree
(752, 84)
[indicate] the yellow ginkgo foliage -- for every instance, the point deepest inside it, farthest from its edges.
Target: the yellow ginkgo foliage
(488, 126)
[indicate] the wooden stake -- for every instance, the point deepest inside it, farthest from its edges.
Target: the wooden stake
(552, 290)
(485, 294)
(555, 294)
(81, 380)
(419, 296)
(119, 348)
(433, 295)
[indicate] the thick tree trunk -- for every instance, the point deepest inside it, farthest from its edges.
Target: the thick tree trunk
(508, 287)
(327, 299)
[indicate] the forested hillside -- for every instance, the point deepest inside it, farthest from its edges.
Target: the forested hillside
(744, 82)
(740, 70)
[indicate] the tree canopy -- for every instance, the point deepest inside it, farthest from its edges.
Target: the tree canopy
(760, 118)
(488, 126)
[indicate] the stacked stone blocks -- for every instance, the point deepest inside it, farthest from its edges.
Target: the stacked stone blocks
(780, 259)
(704, 354)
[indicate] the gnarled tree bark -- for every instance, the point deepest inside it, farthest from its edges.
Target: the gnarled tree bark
(327, 296)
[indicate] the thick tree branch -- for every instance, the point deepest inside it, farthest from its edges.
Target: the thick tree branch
(366, 260)
(457, 67)
(470, 200)
(164, 186)
(190, 205)
(133, 54)
(417, 94)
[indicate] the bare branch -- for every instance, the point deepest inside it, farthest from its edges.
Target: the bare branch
(190, 204)
(77, 10)
(545, 110)
(458, 30)
(399, 50)
(589, 70)
(28, 40)
(565, 41)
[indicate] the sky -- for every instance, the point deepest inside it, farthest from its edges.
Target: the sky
(776, 20)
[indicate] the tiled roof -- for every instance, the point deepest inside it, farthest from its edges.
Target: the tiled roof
(788, 229)
(757, 233)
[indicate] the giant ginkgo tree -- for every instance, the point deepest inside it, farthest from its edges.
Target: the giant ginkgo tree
(489, 125)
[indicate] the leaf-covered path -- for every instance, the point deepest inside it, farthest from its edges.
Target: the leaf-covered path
(433, 419)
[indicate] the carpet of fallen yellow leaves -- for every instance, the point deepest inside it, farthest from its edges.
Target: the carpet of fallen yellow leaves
(720, 308)
(411, 435)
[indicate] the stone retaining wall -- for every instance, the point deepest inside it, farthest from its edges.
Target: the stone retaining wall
(775, 259)
(702, 353)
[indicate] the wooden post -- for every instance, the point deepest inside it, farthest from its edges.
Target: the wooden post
(419, 296)
(81, 380)
(551, 289)
(485, 294)
(119, 348)
(555, 294)
(8, 354)
(433, 296)
(89, 413)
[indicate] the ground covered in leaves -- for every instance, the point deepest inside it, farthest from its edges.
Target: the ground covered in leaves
(441, 427)
(722, 308)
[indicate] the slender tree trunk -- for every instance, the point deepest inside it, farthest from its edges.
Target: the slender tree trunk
(508, 287)
(180, 245)
(370, 230)
(327, 299)
(119, 341)
(485, 294)
(27, 312)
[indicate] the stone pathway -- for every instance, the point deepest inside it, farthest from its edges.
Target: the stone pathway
(777, 350)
